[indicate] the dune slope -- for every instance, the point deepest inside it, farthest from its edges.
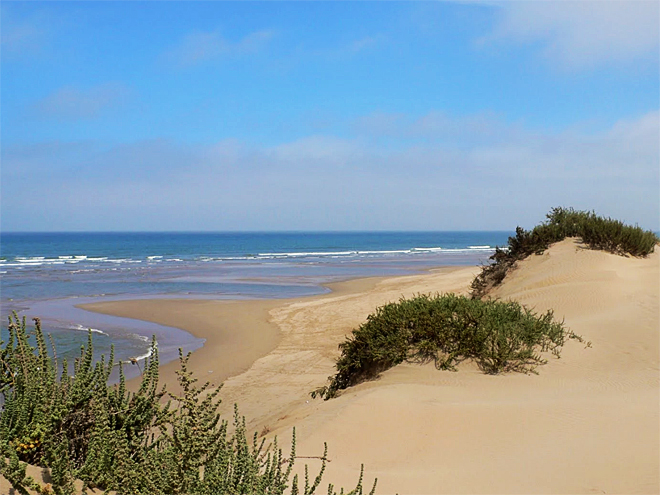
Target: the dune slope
(588, 423)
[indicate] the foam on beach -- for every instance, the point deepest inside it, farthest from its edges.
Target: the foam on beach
(358, 253)
(86, 329)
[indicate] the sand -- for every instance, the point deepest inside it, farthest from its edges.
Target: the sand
(236, 333)
(587, 423)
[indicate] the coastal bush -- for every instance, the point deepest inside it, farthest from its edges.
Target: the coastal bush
(447, 329)
(80, 427)
(596, 232)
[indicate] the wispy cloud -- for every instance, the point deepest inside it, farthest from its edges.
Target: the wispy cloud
(347, 49)
(73, 103)
(331, 182)
(577, 35)
(380, 123)
(318, 152)
(44, 160)
(488, 144)
(201, 46)
(437, 127)
(627, 154)
(366, 43)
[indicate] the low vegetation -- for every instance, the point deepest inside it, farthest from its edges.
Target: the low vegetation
(80, 427)
(447, 329)
(498, 336)
(596, 232)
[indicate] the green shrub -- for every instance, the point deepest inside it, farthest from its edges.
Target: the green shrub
(82, 428)
(447, 329)
(596, 232)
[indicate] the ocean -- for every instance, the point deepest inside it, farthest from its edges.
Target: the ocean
(47, 275)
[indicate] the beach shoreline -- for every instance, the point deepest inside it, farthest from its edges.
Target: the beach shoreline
(236, 332)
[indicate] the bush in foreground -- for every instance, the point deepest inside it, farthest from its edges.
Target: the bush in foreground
(596, 232)
(498, 336)
(82, 428)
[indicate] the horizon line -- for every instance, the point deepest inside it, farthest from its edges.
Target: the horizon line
(290, 231)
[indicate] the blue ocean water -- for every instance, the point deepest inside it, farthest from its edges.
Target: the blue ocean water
(48, 274)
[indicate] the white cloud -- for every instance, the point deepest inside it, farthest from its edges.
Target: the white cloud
(72, 103)
(198, 47)
(436, 126)
(317, 151)
(582, 34)
(488, 142)
(380, 123)
(329, 182)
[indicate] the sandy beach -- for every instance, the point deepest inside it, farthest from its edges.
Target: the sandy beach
(587, 423)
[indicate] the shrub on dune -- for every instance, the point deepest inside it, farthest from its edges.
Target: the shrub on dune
(447, 329)
(596, 232)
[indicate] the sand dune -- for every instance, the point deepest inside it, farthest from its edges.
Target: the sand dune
(588, 423)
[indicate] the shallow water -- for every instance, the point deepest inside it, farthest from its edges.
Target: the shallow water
(47, 275)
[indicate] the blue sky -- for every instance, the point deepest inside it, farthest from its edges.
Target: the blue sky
(327, 116)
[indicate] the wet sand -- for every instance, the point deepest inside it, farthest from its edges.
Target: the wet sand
(236, 333)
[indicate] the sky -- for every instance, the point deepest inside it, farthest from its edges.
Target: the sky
(223, 116)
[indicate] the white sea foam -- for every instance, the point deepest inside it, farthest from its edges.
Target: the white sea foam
(86, 329)
(36, 260)
(312, 253)
(33, 260)
(42, 260)
(467, 251)
(138, 358)
(398, 251)
(144, 356)
(141, 356)
(154, 257)
(339, 254)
